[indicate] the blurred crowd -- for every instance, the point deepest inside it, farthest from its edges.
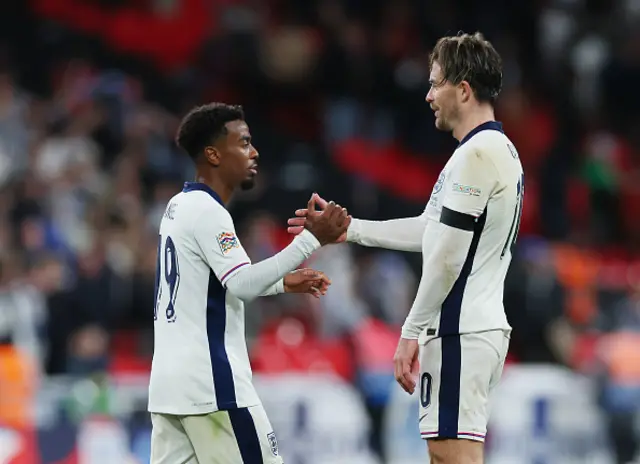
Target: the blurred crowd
(334, 95)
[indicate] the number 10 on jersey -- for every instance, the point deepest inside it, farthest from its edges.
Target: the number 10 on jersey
(515, 222)
(167, 279)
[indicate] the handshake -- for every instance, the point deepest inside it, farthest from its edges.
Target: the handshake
(328, 225)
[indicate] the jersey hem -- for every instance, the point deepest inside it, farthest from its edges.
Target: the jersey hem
(426, 334)
(474, 436)
(204, 410)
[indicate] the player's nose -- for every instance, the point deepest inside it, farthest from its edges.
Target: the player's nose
(254, 153)
(429, 96)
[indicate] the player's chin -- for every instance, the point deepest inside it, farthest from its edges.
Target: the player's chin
(441, 124)
(248, 183)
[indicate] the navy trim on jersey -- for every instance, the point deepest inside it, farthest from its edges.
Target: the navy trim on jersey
(449, 394)
(220, 365)
(195, 186)
(246, 436)
(489, 125)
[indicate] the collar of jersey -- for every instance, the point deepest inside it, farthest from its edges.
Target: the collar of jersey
(194, 186)
(489, 125)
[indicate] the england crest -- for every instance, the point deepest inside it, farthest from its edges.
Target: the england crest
(439, 183)
(273, 443)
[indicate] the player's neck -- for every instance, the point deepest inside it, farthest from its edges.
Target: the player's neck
(478, 116)
(216, 184)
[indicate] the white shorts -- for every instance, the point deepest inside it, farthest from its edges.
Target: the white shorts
(236, 436)
(457, 374)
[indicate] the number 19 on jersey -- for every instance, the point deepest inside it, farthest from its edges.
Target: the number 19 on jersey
(167, 279)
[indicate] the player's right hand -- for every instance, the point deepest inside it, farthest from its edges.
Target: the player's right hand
(328, 225)
(307, 281)
(297, 224)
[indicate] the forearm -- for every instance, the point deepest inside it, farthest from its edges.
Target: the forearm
(440, 270)
(396, 234)
(275, 289)
(262, 278)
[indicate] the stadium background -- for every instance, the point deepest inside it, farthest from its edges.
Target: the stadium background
(91, 92)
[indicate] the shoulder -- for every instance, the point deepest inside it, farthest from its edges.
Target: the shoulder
(200, 203)
(473, 156)
(489, 149)
(195, 212)
(488, 141)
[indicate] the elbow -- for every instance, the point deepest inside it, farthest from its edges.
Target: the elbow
(452, 261)
(242, 292)
(452, 270)
(455, 251)
(237, 287)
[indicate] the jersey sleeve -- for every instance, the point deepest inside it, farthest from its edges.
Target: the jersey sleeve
(215, 234)
(471, 181)
(403, 234)
(444, 251)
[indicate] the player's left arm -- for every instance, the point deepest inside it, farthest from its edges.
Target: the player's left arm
(275, 289)
(216, 236)
(447, 243)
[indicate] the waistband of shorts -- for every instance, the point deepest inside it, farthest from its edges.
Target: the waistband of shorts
(431, 333)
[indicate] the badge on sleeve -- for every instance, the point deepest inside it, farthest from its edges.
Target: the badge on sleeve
(466, 189)
(227, 241)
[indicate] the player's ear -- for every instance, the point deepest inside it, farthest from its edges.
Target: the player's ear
(466, 91)
(212, 155)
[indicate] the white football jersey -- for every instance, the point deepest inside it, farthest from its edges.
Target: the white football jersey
(482, 188)
(200, 360)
